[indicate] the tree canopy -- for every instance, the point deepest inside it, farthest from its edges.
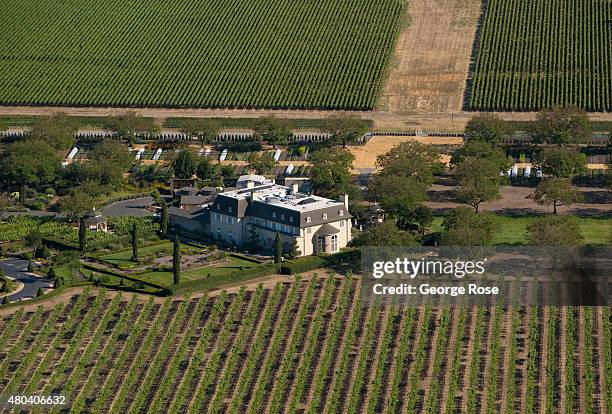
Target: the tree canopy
(330, 174)
(385, 234)
(487, 128)
(32, 162)
(205, 129)
(406, 172)
(57, 130)
(464, 227)
(478, 180)
(75, 203)
(562, 125)
(205, 170)
(273, 130)
(556, 192)
(344, 129)
(481, 149)
(129, 125)
(554, 231)
(184, 165)
(261, 163)
(561, 162)
(108, 161)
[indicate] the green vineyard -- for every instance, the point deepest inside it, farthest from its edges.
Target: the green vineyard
(196, 53)
(311, 346)
(537, 54)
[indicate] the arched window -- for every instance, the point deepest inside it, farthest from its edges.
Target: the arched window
(321, 244)
(334, 243)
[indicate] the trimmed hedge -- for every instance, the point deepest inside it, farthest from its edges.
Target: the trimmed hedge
(213, 282)
(245, 258)
(308, 263)
(303, 264)
(126, 277)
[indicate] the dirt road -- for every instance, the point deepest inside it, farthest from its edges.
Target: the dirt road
(383, 121)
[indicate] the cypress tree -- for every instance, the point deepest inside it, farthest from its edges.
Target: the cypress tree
(278, 248)
(176, 260)
(134, 233)
(40, 292)
(82, 236)
(163, 224)
(5, 300)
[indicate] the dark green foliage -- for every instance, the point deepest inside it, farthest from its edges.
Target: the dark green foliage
(273, 130)
(554, 231)
(345, 129)
(478, 180)
(134, 240)
(163, 222)
(261, 163)
(31, 162)
(420, 216)
(278, 248)
(294, 251)
(330, 174)
(562, 125)
(82, 236)
(487, 128)
(406, 172)
(40, 292)
(384, 234)
(176, 260)
(465, 227)
(556, 192)
(561, 162)
(184, 165)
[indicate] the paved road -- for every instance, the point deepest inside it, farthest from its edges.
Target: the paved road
(18, 269)
(136, 207)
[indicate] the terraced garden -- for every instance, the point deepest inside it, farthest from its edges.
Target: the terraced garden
(307, 346)
(188, 53)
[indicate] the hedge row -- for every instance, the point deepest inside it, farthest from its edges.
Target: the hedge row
(88, 266)
(235, 277)
(308, 263)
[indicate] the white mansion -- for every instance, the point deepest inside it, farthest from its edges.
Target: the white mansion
(259, 209)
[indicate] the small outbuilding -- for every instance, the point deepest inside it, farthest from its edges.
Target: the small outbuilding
(95, 221)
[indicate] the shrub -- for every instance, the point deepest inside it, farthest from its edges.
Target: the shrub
(303, 264)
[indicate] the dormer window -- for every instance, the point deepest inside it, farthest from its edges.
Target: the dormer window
(341, 213)
(308, 219)
(274, 214)
(218, 206)
(282, 216)
(325, 216)
(229, 209)
(291, 219)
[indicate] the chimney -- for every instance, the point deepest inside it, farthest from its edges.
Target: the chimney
(295, 188)
(344, 199)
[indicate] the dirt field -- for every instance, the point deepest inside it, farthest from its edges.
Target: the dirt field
(515, 200)
(432, 57)
(365, 156)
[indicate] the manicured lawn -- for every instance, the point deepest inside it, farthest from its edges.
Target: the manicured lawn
(219, 271)
(123, 258)
(513, 230)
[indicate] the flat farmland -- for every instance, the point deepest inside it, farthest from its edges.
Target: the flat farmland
(533, 55)
(430, 65)
(196, 54)
(309, 345)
